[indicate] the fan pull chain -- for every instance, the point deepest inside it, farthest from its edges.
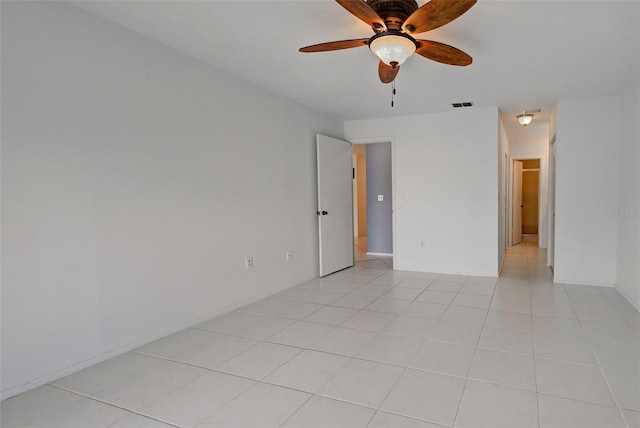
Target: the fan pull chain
(393, 93)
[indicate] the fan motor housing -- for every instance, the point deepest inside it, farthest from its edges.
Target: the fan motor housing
(393, 12)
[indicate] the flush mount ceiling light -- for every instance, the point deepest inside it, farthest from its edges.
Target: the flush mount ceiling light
(527, 116)
(393, 47)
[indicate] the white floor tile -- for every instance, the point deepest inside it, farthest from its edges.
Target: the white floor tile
(322, 412)
(415, 282)
(362, 382)
(131, 380)
(259, 361)
(558, 412)
(568, 380)
(390, 349)
(598, 314)
(611, 333)
(504, 368)
(261, 406)
(453, 277)
(616, 356)
(198, 347)
(441, 297)
(511, 320)
(389, 305)
(632, 418)
(354, 301)
(137, 421)
(425, 310)
(331, 315)
(388, 420)
(625, 387)
(404, 293)
(47, 406)
(307, 371)
(485, 405)
(344, 341)
(464, 334)
(282, 308)
(411, 326)
(574, 350)
(474, 287)
(371, 290)
(445, 358)
(557, 328)
(463, 315)
(198, 399)
(301, 334)
(472, 300)
(321, 297)
(500, 339)
(446, 285)
(369, 320)
(246, 325)
(553, 309)
(428, 396)
(341, 286)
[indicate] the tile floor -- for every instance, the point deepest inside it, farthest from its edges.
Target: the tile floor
(374, 347)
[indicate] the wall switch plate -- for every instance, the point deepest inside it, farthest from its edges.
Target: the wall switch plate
(380, 198)
(289, 255)
(248, 263)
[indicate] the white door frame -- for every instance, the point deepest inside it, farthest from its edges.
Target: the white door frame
(510, 194)
(551, 207)
(392, 140)
(516, 206)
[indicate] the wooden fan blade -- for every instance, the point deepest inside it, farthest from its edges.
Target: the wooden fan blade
(364, 12)
(435, 14)
(334, 46)
(440, 52)
(387, 73)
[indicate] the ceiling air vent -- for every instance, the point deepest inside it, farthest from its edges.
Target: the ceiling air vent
(461, 105)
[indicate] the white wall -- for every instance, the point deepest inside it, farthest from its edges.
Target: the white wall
(587, 138)
(503, 188)
(537, 150)
(446, 194)
(628, 208)
(135, 181)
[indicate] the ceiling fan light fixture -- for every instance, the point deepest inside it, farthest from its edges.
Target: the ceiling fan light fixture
(392, 49)
(525, 118)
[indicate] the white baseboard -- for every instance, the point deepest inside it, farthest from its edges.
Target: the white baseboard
(445, 272)
(380, 254)
(628, 298)
(573, 282)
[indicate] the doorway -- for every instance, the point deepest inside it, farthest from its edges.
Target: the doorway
(525, 200)
(373, 200)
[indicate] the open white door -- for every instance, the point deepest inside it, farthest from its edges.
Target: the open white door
(335, 204)
(517, 203)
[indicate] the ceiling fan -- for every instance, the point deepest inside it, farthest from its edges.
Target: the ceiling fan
(394, 22)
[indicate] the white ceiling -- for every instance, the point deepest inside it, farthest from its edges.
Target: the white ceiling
(527, 54)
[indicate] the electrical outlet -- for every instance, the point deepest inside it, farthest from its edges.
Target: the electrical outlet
(248, 263)
(289, 255)
(422, 244)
